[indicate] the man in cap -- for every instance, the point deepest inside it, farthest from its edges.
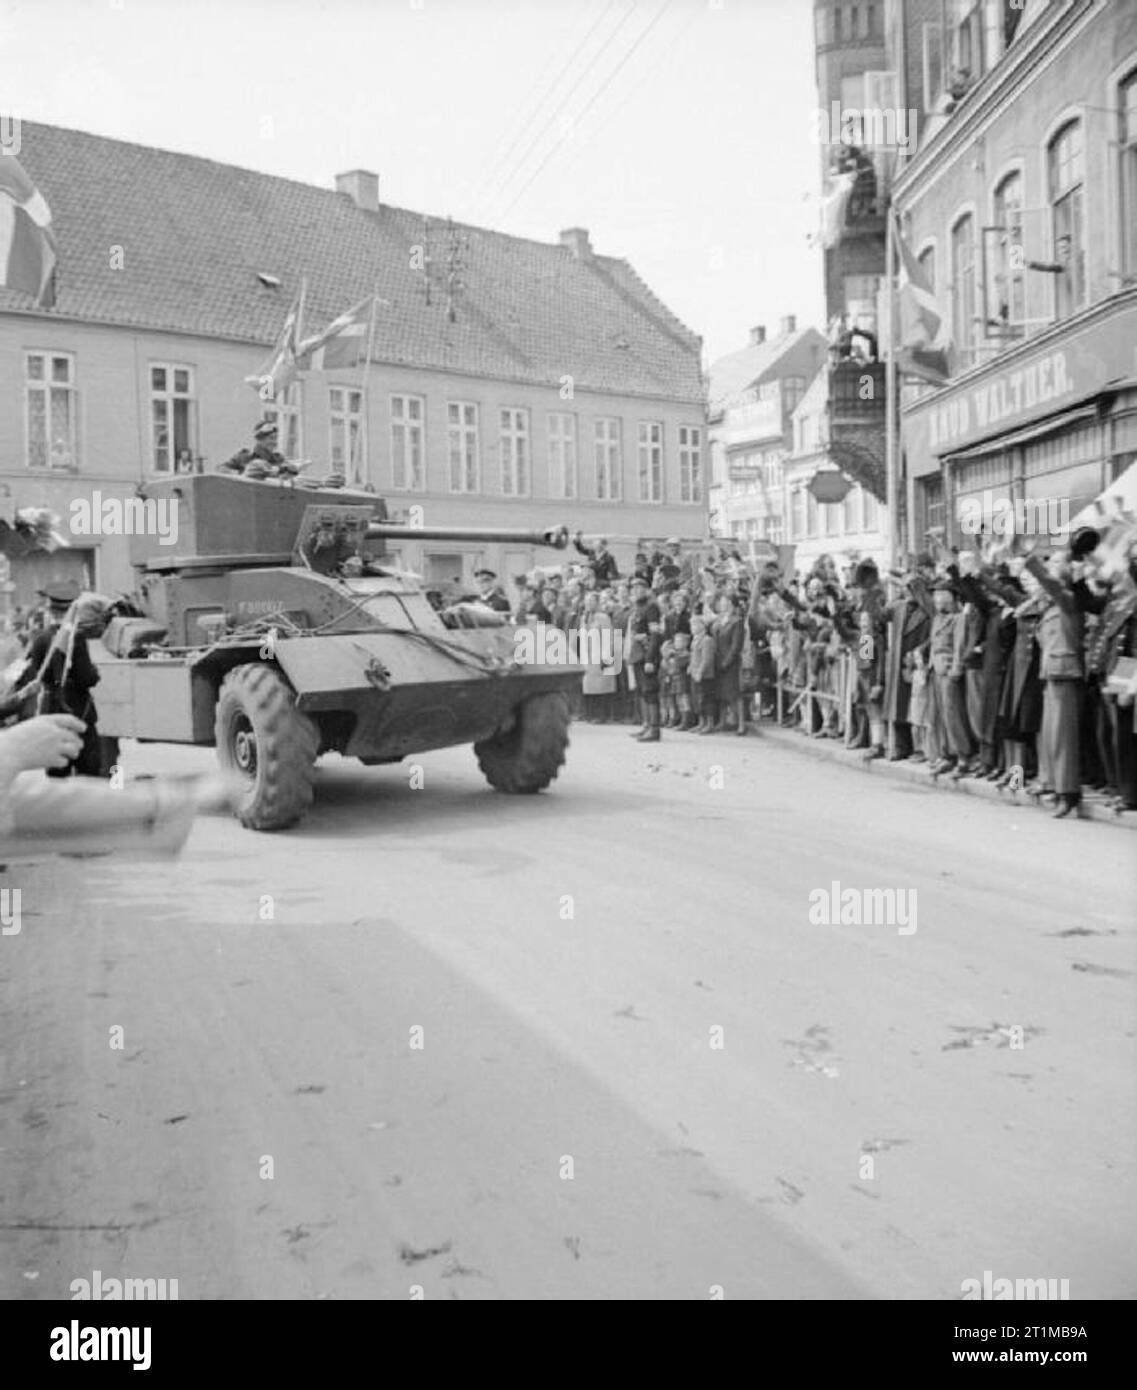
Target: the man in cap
(489, 591)
(264, 459)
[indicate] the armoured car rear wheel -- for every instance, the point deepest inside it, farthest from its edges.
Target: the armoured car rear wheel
(530, 754)
(263, 738)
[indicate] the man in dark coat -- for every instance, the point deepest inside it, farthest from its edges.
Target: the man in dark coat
(601, 561)
(645, 643)
(908, 628)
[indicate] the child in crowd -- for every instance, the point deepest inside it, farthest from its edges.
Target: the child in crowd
(701, 675)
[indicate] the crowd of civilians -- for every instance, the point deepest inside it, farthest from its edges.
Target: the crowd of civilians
(985, 662)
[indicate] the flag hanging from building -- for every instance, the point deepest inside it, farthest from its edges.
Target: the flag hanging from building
(833, 208)
(342, 344)
(922, 339)
(27, 242)
(279, 371)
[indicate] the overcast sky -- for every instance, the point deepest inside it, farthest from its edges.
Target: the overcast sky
(676, 131)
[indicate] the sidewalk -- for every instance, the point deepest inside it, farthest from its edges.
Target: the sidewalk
(1092, 807)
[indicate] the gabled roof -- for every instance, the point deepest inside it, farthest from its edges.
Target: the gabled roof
(737, 373)
(195, 234)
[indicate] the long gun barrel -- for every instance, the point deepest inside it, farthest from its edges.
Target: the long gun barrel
(556, 537)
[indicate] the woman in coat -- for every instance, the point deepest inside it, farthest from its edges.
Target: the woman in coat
(599, 684)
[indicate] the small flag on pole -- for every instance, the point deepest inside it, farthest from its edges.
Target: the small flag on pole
(27, 242)
(279, 371)
(922, 341)
(342, 344)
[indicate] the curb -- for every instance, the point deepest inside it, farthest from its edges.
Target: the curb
(832, 751)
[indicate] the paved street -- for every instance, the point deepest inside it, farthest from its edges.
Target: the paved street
(568, 1127)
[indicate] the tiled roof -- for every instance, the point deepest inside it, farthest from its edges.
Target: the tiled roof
(738, 372)
(195, 233)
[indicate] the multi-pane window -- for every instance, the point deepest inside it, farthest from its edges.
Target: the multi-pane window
(650, 449)
(562, 454)
(1007, 310)
(963, 286)
(49, 392)
(514, 439)
(1128, 154)
(284, 412)
(462, 443)
(850, 511)
(406, 443)
(608, 464)
(811, 523)
(690, 463)
(348, 444)
(1066, 164)
(171, 417)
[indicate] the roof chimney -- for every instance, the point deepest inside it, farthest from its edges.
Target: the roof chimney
(789, 325)
(576, 239)
(362, 187)
(758, 335)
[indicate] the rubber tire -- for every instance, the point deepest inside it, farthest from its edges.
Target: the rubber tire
(529, 756)
(287, 745)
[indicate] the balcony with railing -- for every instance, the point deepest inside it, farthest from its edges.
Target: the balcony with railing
(855, 413)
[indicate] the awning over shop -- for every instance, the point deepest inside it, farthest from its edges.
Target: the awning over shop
(998, 445)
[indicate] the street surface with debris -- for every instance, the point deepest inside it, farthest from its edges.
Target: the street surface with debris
(582, 1045)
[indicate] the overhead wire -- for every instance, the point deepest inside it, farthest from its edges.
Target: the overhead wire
(592, 102)
(526, 123)
(582, 145)
(500, 189)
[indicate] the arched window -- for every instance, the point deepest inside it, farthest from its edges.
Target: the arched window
(1066, 169)
(963, 287)
(1127, 144)
(1006, 308)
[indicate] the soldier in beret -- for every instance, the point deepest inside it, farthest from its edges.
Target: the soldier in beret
(264, 459)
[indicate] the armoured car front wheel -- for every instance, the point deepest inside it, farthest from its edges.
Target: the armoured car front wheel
(530, 754)
(263, 738)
